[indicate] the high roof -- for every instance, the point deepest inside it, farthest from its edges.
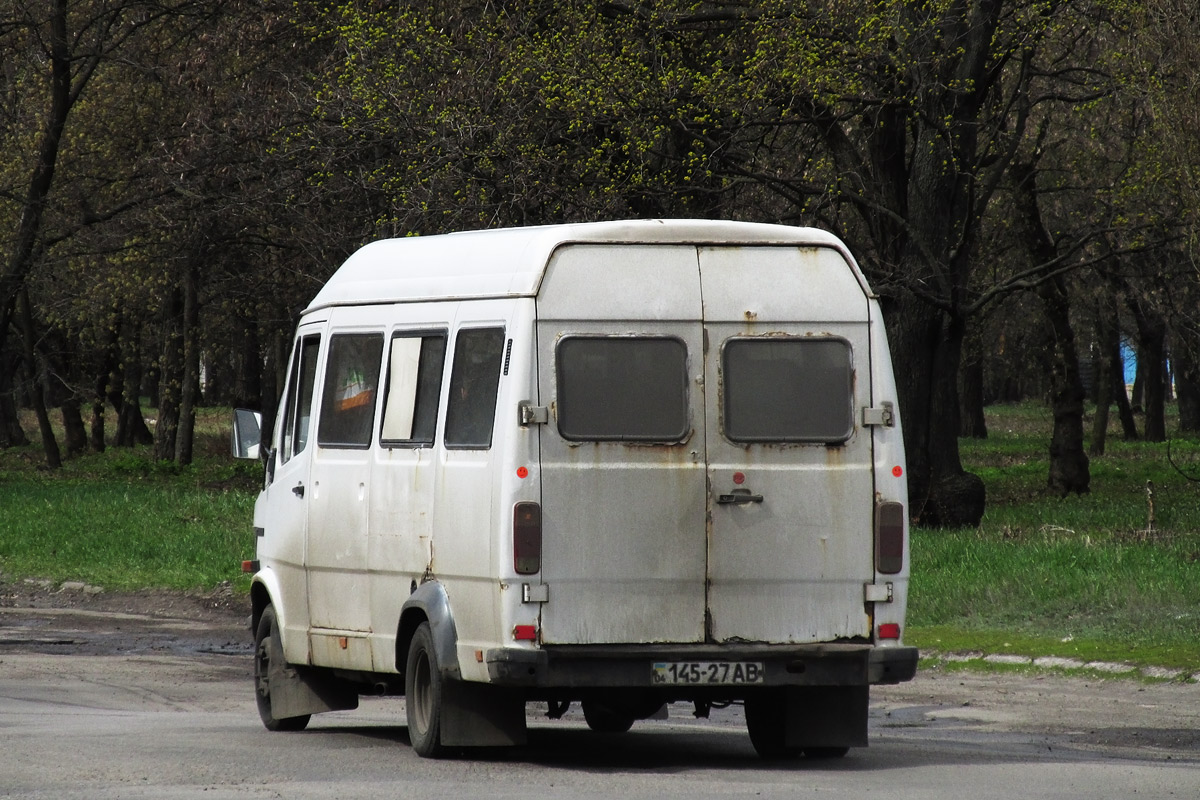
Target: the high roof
(510, 262)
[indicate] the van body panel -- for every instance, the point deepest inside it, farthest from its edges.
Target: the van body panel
(622, 521)
(791, 567)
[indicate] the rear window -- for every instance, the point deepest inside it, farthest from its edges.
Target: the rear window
(622, 388)
(788, 390)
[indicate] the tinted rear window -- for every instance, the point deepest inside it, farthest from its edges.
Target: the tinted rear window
(788, 390)
(622, 388)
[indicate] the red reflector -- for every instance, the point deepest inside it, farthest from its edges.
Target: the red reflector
(250, 566)
(527, 538)
(889, 538)
(889, 630)
(525, 633)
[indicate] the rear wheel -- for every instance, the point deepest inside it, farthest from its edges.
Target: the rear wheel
(268, 651)
(423, 695)
(603, 719)
(766, 721)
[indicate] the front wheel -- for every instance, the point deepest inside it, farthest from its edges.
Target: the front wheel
(423, 695)
(268, 651)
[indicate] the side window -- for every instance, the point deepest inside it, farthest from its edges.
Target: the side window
(471, 409)
(298, 409)
(622, 388)
(414, 384)
(788, 390)
(348, 396)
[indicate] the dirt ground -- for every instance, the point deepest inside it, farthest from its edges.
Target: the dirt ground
(75, 619)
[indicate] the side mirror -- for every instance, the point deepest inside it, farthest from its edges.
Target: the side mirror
(247, 433)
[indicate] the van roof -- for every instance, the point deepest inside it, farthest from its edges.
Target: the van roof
(510, 262)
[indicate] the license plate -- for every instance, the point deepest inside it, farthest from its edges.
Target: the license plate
(705, 673)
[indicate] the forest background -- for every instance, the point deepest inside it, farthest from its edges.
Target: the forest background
(1017, 178)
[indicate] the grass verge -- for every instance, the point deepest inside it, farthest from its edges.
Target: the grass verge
(1095, 577)
(124, 522)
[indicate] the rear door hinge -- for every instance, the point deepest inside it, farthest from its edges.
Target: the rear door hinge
(878, 592)
(528, 414)
(884, 415)
(535, 593)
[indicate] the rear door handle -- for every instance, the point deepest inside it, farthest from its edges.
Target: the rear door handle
(298, 490)
(739, 497)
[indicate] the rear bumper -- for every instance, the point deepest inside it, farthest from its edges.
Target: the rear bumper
(631, 666)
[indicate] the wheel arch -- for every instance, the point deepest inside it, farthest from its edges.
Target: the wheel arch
(264, 589)
(429, 603)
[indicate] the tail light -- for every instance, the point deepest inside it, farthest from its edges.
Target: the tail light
(527, 538)
(889, 538)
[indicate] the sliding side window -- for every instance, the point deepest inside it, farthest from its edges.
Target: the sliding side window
(414, 384)
(788, 390)
(348, 396)
(622, 388)
(474, 381)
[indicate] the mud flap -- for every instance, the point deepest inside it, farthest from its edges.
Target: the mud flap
(296, 691)
(826, 716)
(480, 715)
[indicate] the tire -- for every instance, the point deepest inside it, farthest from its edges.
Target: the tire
(423, 695)
(268, 650)
(766, 721)
(603, 719)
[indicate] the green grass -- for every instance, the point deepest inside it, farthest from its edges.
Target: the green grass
(1085, 576)
(122, 521)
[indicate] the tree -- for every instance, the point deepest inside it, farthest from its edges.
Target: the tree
(61, 50)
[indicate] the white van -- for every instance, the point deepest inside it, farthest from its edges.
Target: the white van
(623, 464)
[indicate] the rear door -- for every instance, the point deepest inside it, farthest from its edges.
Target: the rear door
(620, 360)
(789, 467)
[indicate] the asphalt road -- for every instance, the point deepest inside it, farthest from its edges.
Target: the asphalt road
(111, 704)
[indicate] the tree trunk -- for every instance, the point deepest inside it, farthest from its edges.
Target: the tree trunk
(927, 347)
(170, 382)
(1152, 337)
(248, 379)
(37, 393)
(11, 432)
(131, 425)
(974, 424)
(191, 366)
(104, 376)
(12, 279)
(74, 431)
(1068, 462)
(1187, 387)
(1108, 365)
